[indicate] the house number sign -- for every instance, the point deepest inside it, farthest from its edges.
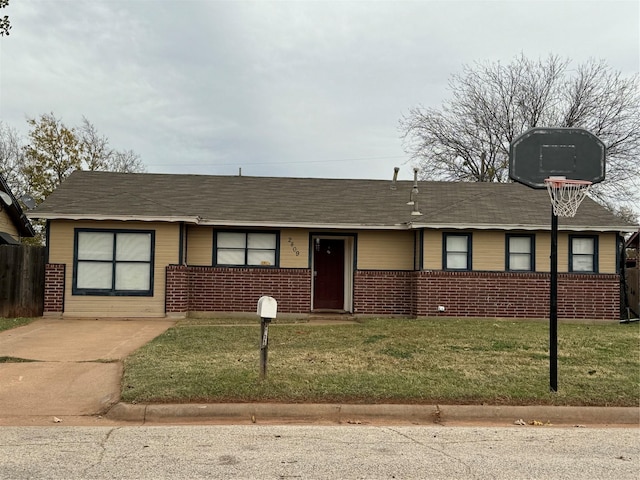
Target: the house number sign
(294, 249)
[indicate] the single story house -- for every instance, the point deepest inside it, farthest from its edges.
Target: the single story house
(154, 245)
(14, 225)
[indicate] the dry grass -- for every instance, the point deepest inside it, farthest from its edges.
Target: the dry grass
(9, 323)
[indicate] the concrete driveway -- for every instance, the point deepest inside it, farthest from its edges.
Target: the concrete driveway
(75, 367)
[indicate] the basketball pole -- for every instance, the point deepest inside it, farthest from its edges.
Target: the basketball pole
(553, 306)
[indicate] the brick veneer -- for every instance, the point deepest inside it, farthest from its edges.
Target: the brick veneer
(523, 295)
(485, 294)
(54, 287)
(177, 289)
(405, 293)
(220, 289)
(382, 292)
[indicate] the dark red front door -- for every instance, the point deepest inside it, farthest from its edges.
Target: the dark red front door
(328, 285)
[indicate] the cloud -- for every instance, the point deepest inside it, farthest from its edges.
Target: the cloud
(278, 88)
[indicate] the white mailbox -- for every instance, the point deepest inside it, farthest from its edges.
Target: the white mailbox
(267, 307)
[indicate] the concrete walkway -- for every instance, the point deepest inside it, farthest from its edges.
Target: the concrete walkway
(74, 366)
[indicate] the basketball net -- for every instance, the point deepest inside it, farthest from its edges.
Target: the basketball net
(566, 195)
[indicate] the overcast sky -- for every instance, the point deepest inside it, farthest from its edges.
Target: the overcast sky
(306, 89)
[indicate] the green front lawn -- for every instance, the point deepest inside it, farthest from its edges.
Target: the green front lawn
(446, 361)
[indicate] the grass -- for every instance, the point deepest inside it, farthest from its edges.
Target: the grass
(453, 361)
(9, 323)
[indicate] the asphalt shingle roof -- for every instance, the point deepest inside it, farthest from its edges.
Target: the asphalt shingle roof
(238, 200)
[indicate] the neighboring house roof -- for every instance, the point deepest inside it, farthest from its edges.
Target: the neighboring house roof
(311, 202)
(15, 213)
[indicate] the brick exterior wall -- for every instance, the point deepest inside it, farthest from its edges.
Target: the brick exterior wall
(221, 289)
(380, 292)
(54, 287)
(517, 295)
(177, 289)
(403, 293)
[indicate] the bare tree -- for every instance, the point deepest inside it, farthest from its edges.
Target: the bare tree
(468, 138)
(126, 161)
(5, 24)
(98, 154)
(11, 158)
(95, 147)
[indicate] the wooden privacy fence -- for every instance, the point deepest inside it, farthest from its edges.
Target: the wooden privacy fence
(21, 281)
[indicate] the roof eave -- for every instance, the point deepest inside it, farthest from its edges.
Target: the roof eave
(527, 227)
(114, 218)
(195, 220)
(310, 225)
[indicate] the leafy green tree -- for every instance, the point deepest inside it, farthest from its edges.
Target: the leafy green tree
(468, 138)
(53, 153)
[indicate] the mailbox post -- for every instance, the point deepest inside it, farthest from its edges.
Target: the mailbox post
(267, 309)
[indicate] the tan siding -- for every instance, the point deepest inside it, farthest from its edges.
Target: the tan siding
(385, 250)
(199, 246)
(543, 251)
(166, 252)
(432, 250)
(294, 248)
(607, 253)
(7, 226)
(488, 250)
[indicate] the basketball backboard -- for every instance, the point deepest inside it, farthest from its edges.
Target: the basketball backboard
(540, 153)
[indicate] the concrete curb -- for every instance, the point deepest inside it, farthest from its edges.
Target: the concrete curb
(385, 413)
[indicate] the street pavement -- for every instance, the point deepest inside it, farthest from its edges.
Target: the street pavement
(319, 452)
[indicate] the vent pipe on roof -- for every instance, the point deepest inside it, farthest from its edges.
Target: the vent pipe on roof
(395, 177)
(413, 196)
(414, 190)
(239, 171)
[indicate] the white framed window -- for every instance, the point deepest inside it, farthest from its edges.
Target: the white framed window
(520, 253)
(456, 251)
(113, 262)
(259, 249)
(583, 253)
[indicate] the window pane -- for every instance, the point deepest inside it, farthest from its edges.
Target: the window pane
(94, 275)
(261, 257)
(457, 261)
(456, 243)
(262, 240)
(232, 240)
(230, 257)
(133, 276)
(519, 245)
(95, 246)
(519, 261)
(583, 263)
(583, 245)
(133, 246)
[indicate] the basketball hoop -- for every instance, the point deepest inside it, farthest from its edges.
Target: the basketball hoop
(566, 195)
